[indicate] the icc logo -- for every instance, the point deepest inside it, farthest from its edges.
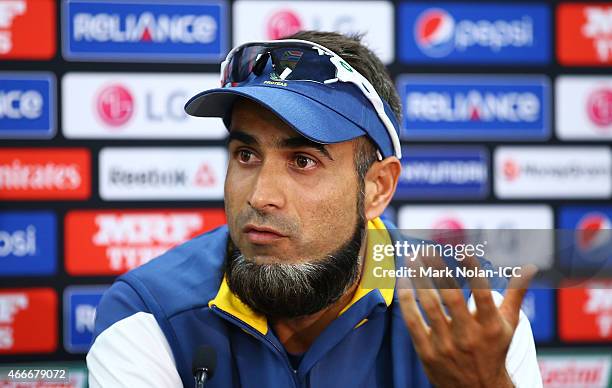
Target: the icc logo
(434, 31)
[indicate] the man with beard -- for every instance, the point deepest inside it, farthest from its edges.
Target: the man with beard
(283, 294)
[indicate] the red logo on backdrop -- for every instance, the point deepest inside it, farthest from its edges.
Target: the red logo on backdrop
(584, 34)
(585, 314)
(205, 176)
(282, 23)
(572, 370)
(511, 170)
(448, 231)
(113, 242)
(115, 105)
(28, 320)
(593, 231)
(27, 29)
(44, 173)
(434, 31)
(599, 107)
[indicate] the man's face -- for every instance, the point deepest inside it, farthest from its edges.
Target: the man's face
(292, 208)
(287, 200)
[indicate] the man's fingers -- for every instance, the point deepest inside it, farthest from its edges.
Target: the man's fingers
(515, 293)
(430, 302)
(414, 320)
(456, 306)
(486, 311)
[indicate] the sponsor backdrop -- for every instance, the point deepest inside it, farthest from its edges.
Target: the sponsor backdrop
(507, 124)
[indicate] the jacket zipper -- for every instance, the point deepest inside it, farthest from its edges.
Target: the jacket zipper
(257, 334)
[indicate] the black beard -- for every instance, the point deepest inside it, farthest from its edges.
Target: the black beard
(280, 290)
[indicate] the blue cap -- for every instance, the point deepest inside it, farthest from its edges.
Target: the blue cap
(324, 113)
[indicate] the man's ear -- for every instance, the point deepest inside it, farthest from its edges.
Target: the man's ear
(380, 183)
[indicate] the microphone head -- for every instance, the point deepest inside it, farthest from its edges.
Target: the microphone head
(205, 358)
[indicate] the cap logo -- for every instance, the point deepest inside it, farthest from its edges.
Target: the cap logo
(277, 83)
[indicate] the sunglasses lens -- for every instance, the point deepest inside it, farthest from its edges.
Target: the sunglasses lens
(290, 63)
(299, 64)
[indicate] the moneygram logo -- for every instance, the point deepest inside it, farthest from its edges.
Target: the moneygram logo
(165, 31)
(112, 242)
(28, 321)
(115, 105)
(18, 18)
(599, 107)
(44, 173)
(526, 172)
(464, 107)
(283, 23)
(511, 170)
(27, 105)
(471, 32)
(584, 34)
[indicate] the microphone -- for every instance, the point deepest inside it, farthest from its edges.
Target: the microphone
(203, 365)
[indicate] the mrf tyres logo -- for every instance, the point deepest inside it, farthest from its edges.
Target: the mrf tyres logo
(114, 242)
(27, 29)
(8, 11)
(584, 34)
(585, 312)
(483, 108)
(474, 33)
(28, 320)
(10, 305)
(160, 30)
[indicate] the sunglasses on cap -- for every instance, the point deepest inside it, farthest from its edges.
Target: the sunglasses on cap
(300, 60)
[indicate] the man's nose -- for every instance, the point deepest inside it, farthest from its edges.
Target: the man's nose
(268, 191)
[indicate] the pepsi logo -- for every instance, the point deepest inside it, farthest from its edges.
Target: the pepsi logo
(115, 105)
(283, 23)
(599, 108)
(511, 170)
(593, 231)
(434, 31)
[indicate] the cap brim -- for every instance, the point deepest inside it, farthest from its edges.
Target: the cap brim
(305, 115)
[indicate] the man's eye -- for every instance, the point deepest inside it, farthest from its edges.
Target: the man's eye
(244, 156)
(304, 162)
